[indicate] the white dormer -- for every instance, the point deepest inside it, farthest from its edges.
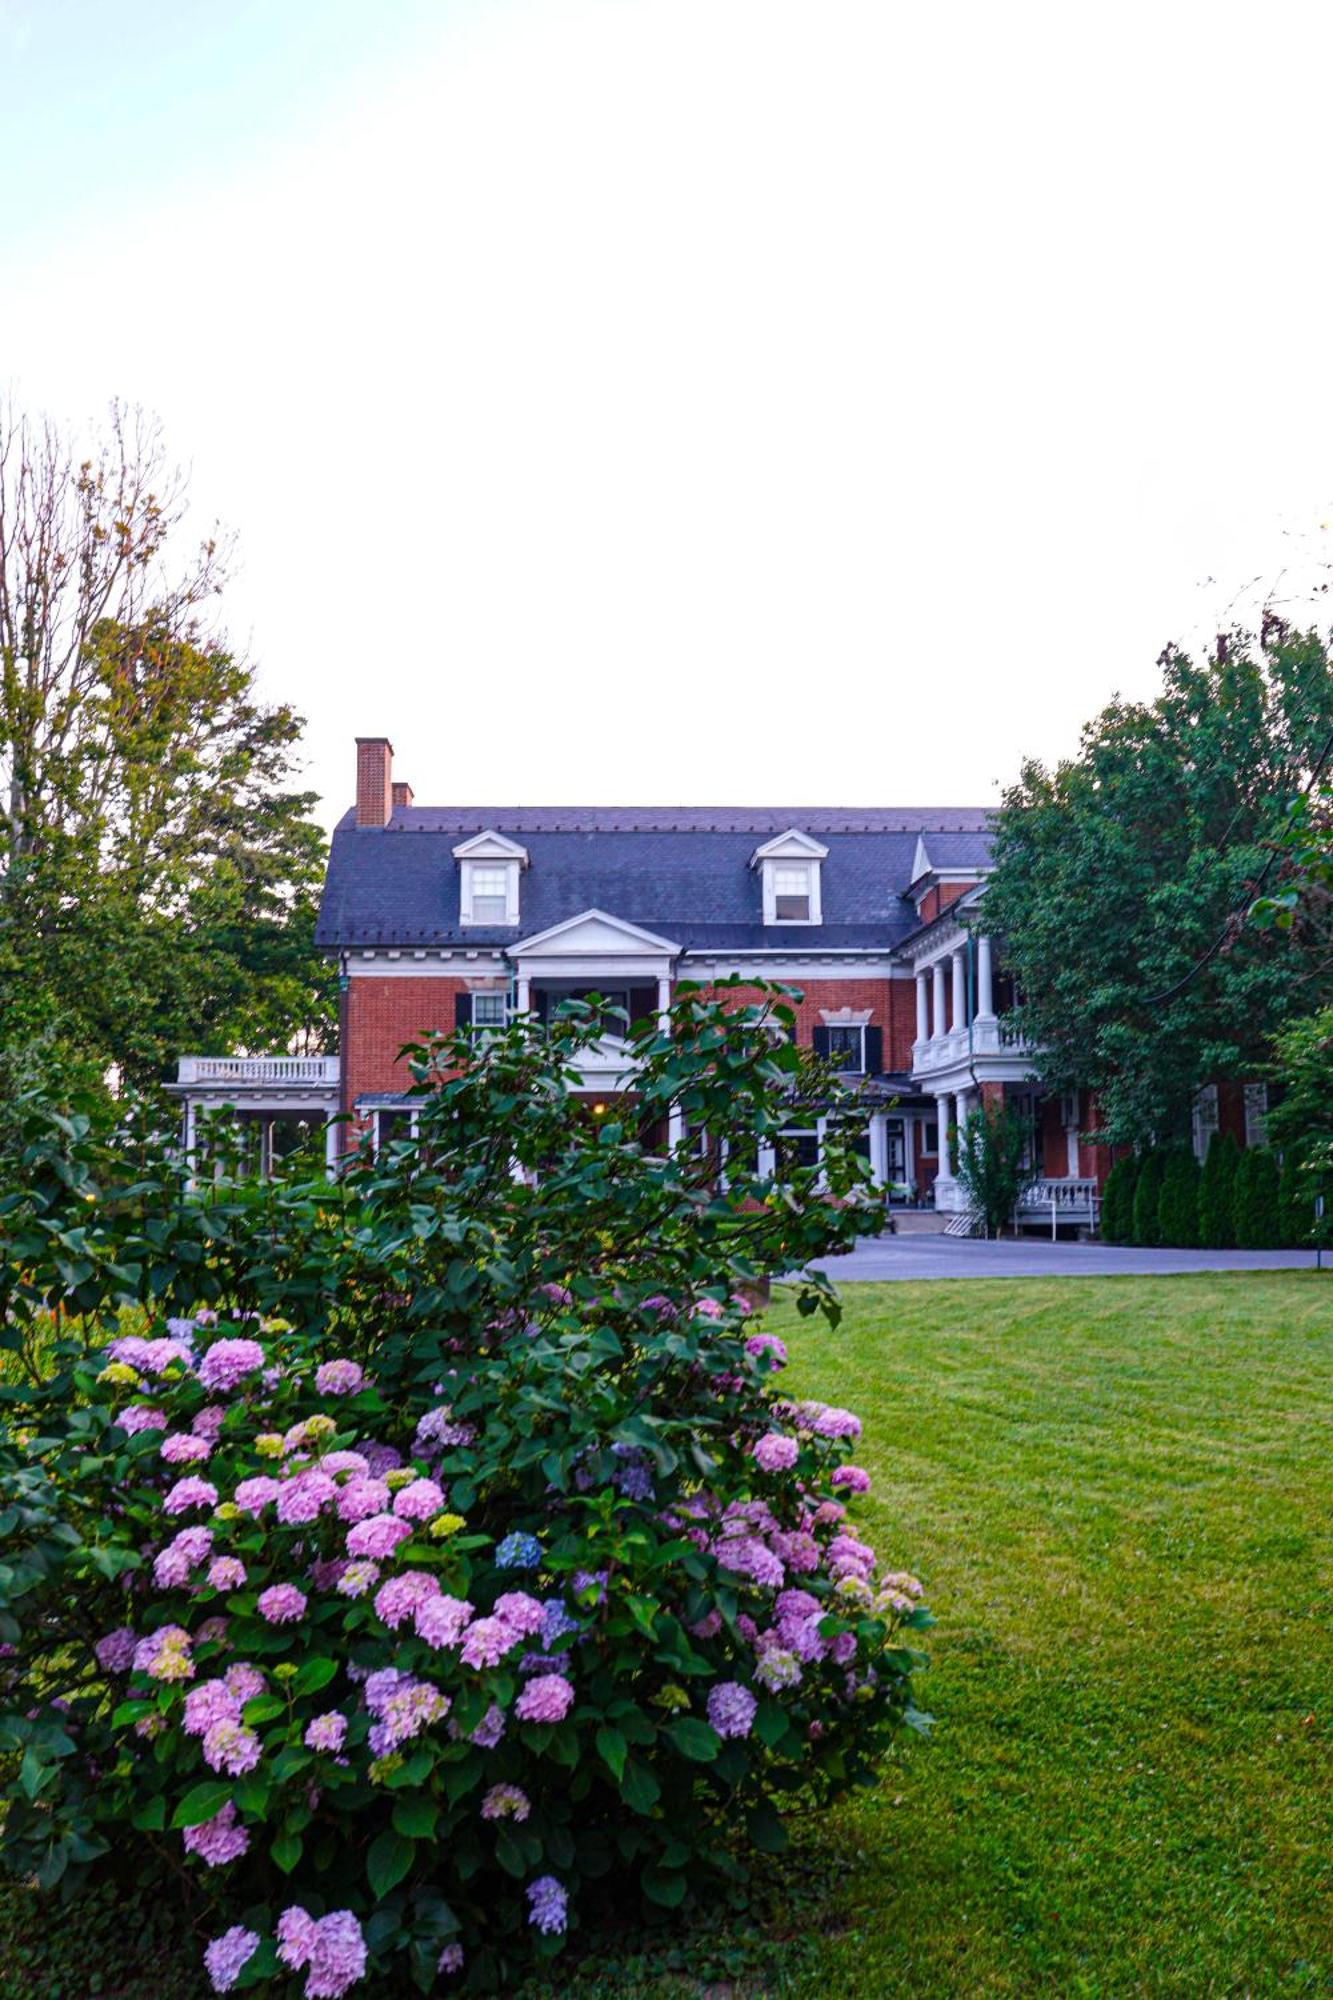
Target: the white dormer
(790, 866)
(489, 866)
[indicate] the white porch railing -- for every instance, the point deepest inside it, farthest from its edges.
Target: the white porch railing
(258, 1069)
(984, 1038)
(1072, 1200)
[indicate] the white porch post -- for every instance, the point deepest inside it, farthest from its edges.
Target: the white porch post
(937, 1021)
(942, 1107)
(985, 981)
(922, 1009)
(960, 988)
(963, 1104)
(768, 1160)
(191, 1116)
(523, 994)
(675, 1126)
(331, 1148)
(664, 1005)
(879, 1149)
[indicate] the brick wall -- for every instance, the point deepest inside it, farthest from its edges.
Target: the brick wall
(379, 1016)
(892, 1004)
(939, 898)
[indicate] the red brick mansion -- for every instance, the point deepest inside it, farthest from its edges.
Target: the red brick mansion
(440, 915)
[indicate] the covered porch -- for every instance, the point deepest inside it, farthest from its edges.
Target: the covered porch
(267, 1109)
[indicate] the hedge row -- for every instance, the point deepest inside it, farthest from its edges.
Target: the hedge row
(1236, 1201)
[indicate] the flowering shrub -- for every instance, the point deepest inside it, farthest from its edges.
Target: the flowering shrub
(395, 1652)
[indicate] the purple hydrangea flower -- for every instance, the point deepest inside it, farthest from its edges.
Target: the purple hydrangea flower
(226, 1573)
(852, 1477)
(451, 1959)
(228, 1955)
(339, 1378)
(142, 1417)
(400, 1598)
(442, 1620)
(210, 1702)
(418, 1501)
(506, 1802)
(357, 1579)
(165, 1655)
(731, 1709)
(761, 1345)
(228, 1362)
(253, 1495)
(548, 1698)
(339, 1957)
(231, 1748)
(209, 1421)
(523, 1613)
(244, 1681)
(184, 1448)
(362, 1497)
(487, 1641)
(115, 1650)
(548, 1904)
(300, 1499)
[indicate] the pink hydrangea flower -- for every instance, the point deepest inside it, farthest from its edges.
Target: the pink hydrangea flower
(187, 1493)
(776, 1453)
(377, 1537)
(326, 1732)
(546, 1698)
(209, 1421)
(228, 1362)
(281, 1603)
(335, 1462)
(709, 1309)
(852, 1477)
(419, 1501)
(361, 1498)
(218, 1840)
(183, 1448)
(761, 1344)
(339, 1959)
(165, 1655)
(142, 1417)
(451, 1959)
(253, 1495)
(210, 1702)
(506, 1802)
(487, 1641)
(231, 1748)
(525, 1614)
(442, 1620)
(226, 1573)
(296, 1933)
(398, 1600)
(184, 1552)
(300, 1499)
(358, 1578)
(339, 1378)
(244, 1681)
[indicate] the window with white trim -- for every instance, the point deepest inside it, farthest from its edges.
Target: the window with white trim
(489, 1010)
(847, 1049)
(488, 884)
(791, 893)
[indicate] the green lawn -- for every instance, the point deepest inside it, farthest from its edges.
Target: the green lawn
(1119, 1493)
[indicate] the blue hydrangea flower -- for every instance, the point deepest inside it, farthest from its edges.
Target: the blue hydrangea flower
(518, 1551)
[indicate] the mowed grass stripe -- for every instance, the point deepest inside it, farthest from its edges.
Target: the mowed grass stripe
(1119, 1493)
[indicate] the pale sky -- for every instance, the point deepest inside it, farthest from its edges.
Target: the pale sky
(678, 401)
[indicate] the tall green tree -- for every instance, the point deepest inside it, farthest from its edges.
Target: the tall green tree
(990, 1147)
(1148, 1200)
(1178, 1208)
(1217, 1194)
(159, 866)
(1117, 1218)
(1123, 877)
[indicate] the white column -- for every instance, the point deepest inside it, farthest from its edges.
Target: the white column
(922, 1008)
(664, 1005)
(985, 981)
(960, 987)
(190, 1116)
(675, 1126)
(331, 1148)
(768, 1160)
(943, 1105)
(962, 1105)
(937, 1021)
(523, 994)
(879, 1150)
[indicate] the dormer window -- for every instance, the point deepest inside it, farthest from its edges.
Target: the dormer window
(790, 871)
(488, 891)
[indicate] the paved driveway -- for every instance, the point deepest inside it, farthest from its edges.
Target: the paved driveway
(935, 1256)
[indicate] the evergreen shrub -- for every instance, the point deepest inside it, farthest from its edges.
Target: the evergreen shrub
(1258, 1222)
(1178, 1207)
(1117, 1210)
(460, 1565)
(1217, 1220)
(1147, 1199)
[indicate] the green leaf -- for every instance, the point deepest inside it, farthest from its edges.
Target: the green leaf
(151, 1816)
(767, 1831)
(660, 1885)
(695, 1739)
(314, 1675)
(770, 1724)
(639, 1788)
(202, 1803)
(613, 1750)
(286, 1851)
(415, 1818)
(264, 1708)
(389, 1859)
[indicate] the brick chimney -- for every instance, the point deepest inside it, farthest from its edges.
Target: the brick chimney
(374, 780)
(402, 794)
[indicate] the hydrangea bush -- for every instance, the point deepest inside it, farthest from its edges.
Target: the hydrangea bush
(396, 1633)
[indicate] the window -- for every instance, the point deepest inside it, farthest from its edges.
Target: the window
(392, 1127)
(797, 1149)
(489, 1010)
(490, 895)
(791, 894)
(846, 1049)
(931, 1142)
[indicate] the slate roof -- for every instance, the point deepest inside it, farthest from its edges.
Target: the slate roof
(681, 872)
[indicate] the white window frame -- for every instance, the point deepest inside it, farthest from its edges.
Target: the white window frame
(490, 998)
(490, 865)
(790, 850)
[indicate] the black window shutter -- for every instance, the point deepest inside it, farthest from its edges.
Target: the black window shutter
(821, 1042)
(462, 1010)
(874, 1051)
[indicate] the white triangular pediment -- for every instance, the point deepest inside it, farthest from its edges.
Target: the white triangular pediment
(490, 846)
(594, 934)
(793, 845)
(921, 862)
